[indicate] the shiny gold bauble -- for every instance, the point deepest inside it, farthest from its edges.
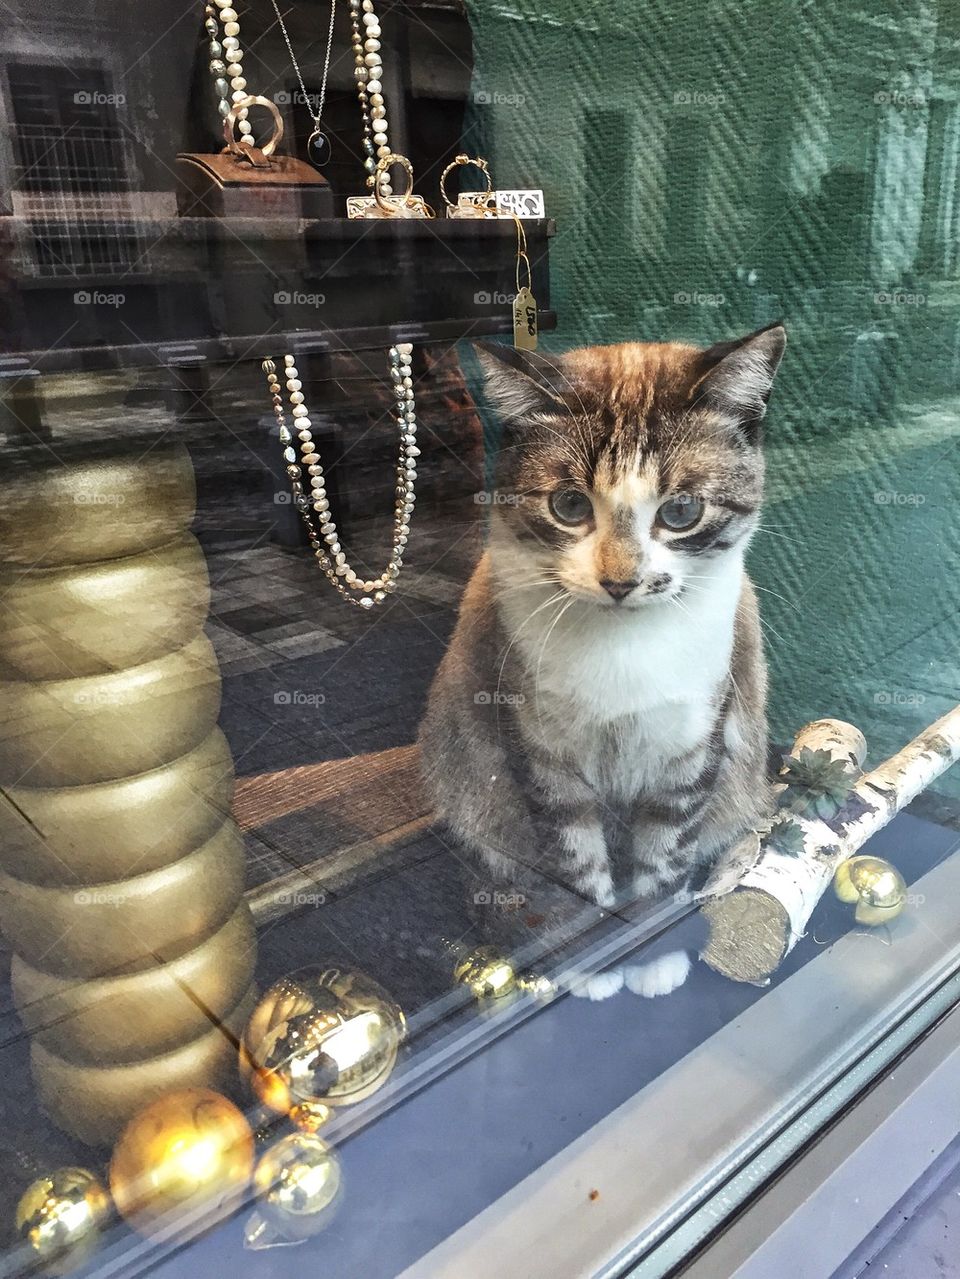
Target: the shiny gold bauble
(96, 834)
(94, 1103)
(486, 972)
(874, 885)
(86, 619)
(103, 508)
(319, 1038)
(310, 1116)
(127, 924)
(130, 1017)
(296, 1183)
(74, 732)
(189, 1155)
(537, 985)
(60, 1217)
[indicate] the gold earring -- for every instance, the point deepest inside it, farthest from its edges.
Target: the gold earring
(489, 203)
(463, 209)
(388, 205)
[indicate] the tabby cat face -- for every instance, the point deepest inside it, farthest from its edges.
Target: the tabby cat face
(627, 473)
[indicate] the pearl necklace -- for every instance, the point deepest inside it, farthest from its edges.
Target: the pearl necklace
(369, 74)
(324, 538)
(226, 59)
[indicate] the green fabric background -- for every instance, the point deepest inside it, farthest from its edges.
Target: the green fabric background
(715, 166)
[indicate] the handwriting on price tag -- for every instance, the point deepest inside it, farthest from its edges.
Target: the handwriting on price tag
(525, 321)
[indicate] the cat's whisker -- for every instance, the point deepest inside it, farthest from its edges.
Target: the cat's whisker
(776, 595)
(516, 635)
(736, 688)
(767, 531)
(675, 599)
(765, 625)
(529, 585)
(543, 647)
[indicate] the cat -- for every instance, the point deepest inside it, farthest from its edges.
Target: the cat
(599, 716)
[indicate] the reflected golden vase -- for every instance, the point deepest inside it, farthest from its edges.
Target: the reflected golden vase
(121, 872)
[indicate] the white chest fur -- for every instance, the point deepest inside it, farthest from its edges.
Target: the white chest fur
(648, 677)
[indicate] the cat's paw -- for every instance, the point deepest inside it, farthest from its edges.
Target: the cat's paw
(598, 986)
(659, 976)
(606, 897)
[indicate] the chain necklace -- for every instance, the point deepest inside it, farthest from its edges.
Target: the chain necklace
(315, 508)
(318, 144)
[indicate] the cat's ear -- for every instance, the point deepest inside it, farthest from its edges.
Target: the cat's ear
(519, 384)
(737, 376)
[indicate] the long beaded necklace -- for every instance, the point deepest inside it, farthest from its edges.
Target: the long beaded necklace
(315, 508)
(318, 144)
(226, 59)
(369, 74)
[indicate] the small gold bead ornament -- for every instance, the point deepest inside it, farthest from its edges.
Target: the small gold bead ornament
(60, 1216)
(874, 886)
(487, 973)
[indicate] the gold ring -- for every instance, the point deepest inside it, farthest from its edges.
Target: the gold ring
(230, 120)
(382, 166)
(457, 162)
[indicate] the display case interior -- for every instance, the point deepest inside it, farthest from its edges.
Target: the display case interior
(258, 1011)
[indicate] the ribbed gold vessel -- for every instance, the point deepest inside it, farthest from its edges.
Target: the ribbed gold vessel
(121, 871)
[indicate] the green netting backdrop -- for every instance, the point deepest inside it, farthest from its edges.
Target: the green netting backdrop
(715, 166)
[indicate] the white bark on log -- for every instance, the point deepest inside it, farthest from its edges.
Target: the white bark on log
(759, 900)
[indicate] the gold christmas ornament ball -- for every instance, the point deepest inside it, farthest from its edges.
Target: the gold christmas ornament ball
(60, 1217)
(296, 1183)
(874, 886)
(188, 1153)
(487, 973)
(321, 1038)
(537, 985)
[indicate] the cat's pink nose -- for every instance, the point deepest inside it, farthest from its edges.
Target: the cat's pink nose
(619, 590)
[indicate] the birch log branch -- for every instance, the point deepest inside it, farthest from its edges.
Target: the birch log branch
(760, 898)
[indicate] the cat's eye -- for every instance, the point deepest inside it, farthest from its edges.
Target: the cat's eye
(570, 506)
(680, 512)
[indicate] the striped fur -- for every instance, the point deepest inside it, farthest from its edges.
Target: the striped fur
(613, 745)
